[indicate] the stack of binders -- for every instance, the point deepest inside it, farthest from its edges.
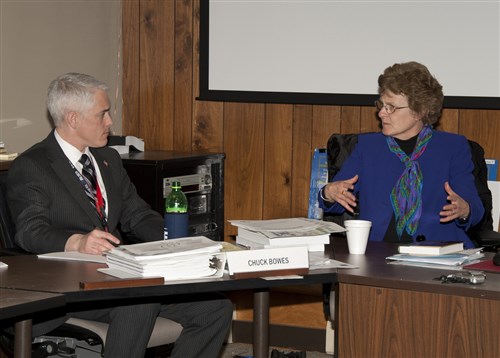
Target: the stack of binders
(259, 234)
(175, 259)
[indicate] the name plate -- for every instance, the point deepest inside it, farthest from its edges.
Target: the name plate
(286, 259)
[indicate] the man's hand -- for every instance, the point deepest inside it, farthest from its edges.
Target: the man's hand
(96, 242)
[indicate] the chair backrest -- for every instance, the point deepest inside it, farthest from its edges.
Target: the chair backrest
(7, 228)
(340, 146)
(480, 173)
(495, 193)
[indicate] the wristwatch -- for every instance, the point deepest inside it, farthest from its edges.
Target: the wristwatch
(322, 194)
(463, 221)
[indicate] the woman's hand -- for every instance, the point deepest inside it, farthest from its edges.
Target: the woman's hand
(340, 192)
(457, 207)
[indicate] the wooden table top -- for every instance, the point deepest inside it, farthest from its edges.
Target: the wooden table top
(374, 270)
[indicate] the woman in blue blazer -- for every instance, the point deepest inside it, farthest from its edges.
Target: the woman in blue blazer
(409, 180)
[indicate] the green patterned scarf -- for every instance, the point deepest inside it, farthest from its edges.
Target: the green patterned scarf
(406, 196)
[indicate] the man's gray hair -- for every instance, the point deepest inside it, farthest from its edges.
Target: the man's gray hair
(71, 92)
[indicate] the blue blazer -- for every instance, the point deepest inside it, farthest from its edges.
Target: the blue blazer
(446, 158)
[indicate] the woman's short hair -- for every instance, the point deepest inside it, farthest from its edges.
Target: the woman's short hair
(71, 92)
(413, 80)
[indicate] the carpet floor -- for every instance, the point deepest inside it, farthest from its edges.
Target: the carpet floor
(245, 350)
(229, 350)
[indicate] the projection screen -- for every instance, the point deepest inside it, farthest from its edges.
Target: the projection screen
(332, 52)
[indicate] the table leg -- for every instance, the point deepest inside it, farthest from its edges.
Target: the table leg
(22, 340)
(261, 324)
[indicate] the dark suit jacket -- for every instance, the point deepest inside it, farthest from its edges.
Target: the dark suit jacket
(48, 203)
(447, 158)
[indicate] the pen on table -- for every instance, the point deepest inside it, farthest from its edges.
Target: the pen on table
(243, 246)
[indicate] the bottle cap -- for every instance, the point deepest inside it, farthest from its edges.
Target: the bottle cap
(176, 185)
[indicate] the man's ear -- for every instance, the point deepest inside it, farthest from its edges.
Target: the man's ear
(71, 118)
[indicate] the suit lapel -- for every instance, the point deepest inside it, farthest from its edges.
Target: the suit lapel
(63, 169)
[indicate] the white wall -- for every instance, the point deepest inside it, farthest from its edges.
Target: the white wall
(41, 39)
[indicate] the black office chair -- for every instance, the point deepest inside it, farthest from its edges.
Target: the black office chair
(7, 245)
(339, 147)
(93, 333)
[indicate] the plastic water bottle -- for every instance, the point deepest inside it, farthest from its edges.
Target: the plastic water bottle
(176, 220)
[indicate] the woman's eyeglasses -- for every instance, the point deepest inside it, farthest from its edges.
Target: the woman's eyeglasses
(389, 108)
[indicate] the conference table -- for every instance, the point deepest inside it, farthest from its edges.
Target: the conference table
(379, 309)
(19, 306)
(64, 277)
(390, 310)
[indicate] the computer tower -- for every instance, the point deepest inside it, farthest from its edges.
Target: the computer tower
(202, 180)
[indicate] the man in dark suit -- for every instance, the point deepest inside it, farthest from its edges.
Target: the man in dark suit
(56, 206)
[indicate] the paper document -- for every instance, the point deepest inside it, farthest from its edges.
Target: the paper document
(287, 225)
(73, 256)
(124, 144)
(318, 261)
(428, 265)
(168, 248)
(118, 273)
(455, 259)
(288, 234)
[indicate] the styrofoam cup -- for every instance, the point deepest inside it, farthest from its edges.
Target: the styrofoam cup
(357, 235)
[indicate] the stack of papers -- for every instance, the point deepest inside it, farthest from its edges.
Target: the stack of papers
(259, 234)
(447, 261)
(174, 259)
(73, 256)
(126, 144)
(4, 155)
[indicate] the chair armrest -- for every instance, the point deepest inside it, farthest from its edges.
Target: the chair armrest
(489, 239)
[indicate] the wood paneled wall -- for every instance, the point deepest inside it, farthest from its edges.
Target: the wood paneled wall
(268, 147)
